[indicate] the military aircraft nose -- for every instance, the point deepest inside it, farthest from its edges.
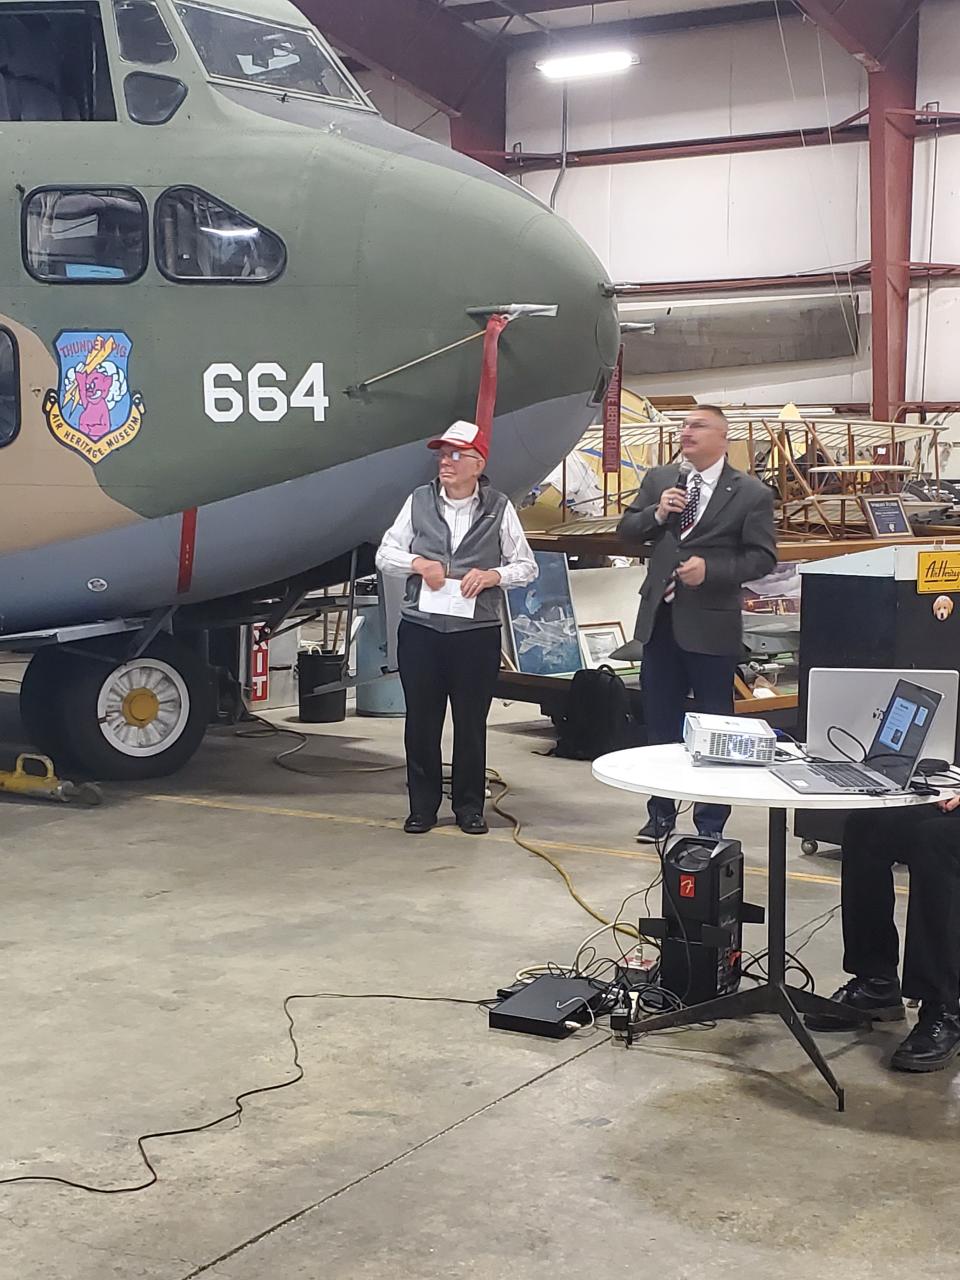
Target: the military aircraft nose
(449, 241)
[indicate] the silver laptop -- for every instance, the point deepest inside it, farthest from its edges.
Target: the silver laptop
(856, 698)
(890, 760)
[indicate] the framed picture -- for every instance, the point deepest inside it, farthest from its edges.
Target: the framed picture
(778, 593)
(886, 516)
(599, 640)
(543, 626)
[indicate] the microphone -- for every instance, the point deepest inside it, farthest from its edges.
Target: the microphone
(686, 471)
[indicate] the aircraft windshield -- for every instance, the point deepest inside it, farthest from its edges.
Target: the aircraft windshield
(262, 53)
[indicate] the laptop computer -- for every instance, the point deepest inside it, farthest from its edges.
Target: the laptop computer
(890, 761)
(856, 697)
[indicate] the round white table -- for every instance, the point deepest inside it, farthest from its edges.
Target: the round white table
(669, 771)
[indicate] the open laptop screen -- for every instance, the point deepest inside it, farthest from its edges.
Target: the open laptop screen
(902, 732)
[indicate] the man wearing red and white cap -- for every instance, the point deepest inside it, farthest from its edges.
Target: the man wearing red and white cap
(459, 543)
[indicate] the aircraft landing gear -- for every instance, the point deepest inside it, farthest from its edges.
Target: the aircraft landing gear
(40, 698)
(113, 717)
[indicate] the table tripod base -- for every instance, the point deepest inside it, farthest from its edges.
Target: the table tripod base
(772, 997)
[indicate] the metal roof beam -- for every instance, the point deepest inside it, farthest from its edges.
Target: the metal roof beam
(484, 10)
(687, 148)
(424, 46)
(664, 24)
(842, 279)
(867, 29)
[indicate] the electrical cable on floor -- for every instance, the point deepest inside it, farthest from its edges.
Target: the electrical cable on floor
(756, 970)
(497, 780)
(826, 918)
(497, 806)
(269, 730)
(615, 989)
(237, 1111)
(493, 776)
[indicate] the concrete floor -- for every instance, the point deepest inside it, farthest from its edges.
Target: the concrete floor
(147, 947)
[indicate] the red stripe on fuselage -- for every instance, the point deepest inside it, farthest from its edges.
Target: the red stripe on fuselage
(188, 539)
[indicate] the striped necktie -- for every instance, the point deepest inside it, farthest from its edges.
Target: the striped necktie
(688, 518)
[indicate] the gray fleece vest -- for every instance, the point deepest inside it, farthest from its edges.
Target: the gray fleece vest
(480, 549)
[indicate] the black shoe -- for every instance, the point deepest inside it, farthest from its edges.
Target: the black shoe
(653, 832)
(878, 997)
(933, 1043)
(419, 824)
(716, 836)
(473, 824)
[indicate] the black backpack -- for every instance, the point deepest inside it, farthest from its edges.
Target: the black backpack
(601, 715)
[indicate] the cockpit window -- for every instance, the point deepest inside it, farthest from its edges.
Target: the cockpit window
(143, 34)
(200, 239)
(53, 63)
(153, 99)
(95, 235)
(9, 388)
(265, 55)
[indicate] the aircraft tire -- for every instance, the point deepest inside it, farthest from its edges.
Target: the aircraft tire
(139, 719)
(41, 699)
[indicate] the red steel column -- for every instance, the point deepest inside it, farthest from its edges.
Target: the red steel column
(891, 141)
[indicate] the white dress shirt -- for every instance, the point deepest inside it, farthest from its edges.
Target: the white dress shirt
(519, 566)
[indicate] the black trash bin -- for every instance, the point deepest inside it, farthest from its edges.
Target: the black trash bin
(313, 671)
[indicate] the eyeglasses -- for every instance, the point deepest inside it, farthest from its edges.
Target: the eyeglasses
(456, 455)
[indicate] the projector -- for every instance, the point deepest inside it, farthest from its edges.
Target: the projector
(728, 739)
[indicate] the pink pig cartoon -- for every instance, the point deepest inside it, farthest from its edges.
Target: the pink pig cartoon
(94, 388)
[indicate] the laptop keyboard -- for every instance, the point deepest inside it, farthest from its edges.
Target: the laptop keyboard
(844, 775)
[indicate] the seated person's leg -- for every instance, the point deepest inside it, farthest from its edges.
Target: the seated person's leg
(871, 845)
(931, 970)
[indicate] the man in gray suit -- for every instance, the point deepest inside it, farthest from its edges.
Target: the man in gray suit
(712, 530)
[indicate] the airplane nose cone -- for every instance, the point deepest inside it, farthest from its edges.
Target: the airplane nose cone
(447, 241)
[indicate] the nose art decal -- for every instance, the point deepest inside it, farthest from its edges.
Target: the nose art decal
(93, 411)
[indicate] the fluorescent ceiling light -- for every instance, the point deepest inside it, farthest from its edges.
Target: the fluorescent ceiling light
(576, 66)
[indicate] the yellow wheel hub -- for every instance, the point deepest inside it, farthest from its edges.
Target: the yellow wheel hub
(141, 707)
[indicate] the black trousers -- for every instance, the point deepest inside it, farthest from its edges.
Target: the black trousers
(928, 842)
(437, 666)
(667, 676)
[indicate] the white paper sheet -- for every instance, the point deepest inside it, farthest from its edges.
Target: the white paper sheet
(448, 601)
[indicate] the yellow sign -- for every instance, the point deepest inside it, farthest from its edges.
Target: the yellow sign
(938, 571)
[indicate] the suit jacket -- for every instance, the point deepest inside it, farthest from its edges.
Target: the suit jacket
(734, 535)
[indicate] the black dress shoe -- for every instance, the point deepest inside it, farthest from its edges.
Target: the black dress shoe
(711, 835)
(877, 997)
(419, 824)
(654, 832)
(933, 1043)
(473, 824)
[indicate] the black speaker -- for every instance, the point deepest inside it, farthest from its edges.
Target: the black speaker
(703, 916)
